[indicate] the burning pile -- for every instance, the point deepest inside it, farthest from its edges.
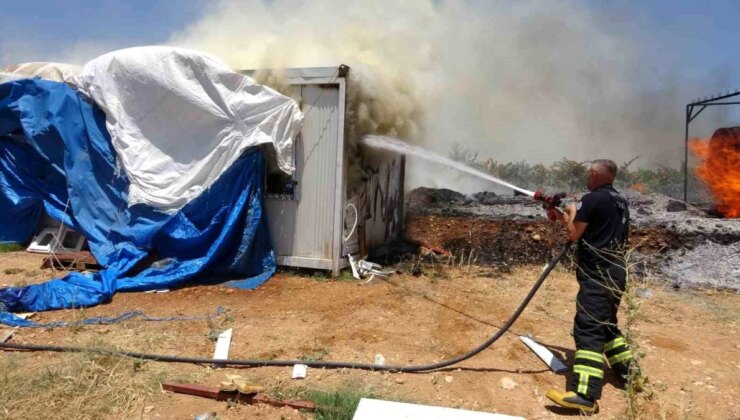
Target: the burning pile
(720, 168)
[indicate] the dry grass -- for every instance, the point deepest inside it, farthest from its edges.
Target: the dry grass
(79, 385)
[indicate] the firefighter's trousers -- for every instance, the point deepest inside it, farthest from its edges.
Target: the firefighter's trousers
(595, 329)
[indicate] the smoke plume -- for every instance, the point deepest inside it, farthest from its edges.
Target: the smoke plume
(526, 80)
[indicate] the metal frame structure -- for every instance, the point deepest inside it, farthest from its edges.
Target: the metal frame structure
(701, 104)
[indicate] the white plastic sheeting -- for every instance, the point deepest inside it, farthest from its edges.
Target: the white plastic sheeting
(178, 119)
(58, 72)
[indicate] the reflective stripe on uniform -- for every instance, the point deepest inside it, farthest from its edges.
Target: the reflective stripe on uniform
(619, 341)
(588, 370)
(584, 375)
(583, 384)
(621, 357)
(589, 355)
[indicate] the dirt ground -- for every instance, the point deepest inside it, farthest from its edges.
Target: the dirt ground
(688, 341)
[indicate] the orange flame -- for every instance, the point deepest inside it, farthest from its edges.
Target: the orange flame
(639, 187)
(719, 168)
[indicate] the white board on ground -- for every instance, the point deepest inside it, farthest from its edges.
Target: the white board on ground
(370, 409)
(222, 345)
(545, 354)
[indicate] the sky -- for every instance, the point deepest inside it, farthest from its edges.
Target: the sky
(690, 45)
(78, 30)
(700, 38)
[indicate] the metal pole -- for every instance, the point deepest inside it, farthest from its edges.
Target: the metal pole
(689, 109)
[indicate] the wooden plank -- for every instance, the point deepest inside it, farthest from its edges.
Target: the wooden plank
(197, 390)
(82, 260)
(216, 394)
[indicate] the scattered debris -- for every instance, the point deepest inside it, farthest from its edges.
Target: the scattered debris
(379, 360)
(507, 383)
(400, 380)
(299, 371)
(206, 416)
(240, 384)
(448, 379)
(222, 345)
(555, 364)
(216, 394)
(362, 268)
(162, 263)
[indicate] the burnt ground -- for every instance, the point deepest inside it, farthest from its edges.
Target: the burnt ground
(671, 240)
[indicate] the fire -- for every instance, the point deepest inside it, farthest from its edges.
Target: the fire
(719, 168)
(639, 187)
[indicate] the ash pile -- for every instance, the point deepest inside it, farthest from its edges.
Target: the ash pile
(679, 243)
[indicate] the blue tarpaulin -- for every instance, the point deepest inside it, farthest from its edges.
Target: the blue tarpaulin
(56, 156)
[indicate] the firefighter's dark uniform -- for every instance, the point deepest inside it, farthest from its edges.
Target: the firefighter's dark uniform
(602, 277)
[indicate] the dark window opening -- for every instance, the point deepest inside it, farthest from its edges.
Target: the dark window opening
(71, 239)
(278, 184)
(46, 239)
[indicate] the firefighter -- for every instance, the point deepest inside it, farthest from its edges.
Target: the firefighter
(599, 225)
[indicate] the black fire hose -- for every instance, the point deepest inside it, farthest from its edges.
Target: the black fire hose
(314, 364)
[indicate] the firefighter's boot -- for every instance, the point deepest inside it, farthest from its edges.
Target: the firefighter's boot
(573, 400)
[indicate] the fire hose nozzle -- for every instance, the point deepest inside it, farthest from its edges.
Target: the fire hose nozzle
(551, 203)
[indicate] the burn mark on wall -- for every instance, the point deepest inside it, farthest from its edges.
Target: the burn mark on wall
(380, 201)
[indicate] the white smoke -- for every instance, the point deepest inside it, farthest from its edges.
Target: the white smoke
(526, 80)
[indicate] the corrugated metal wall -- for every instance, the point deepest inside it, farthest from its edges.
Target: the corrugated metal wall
(305, 227)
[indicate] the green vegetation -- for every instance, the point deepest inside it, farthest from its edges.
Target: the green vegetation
(315, 354)
(569, 175)
(11, 247)
(219, 324)
(339, 404)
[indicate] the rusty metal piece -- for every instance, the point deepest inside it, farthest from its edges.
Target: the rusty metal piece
(216, 394)
(427, 245)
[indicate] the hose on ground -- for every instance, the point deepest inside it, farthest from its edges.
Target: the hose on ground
(314, 364)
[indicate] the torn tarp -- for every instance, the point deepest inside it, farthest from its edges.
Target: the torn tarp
(56, 155)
